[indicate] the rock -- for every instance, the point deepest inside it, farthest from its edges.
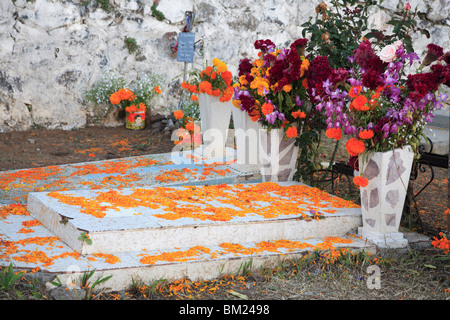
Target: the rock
(66, 293)
(170, 125)
(14, 115)
(174, 10)
(157, 118)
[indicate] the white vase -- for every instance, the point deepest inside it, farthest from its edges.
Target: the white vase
(382, 200)
(246, 133)
(278, 155)
(215, 120)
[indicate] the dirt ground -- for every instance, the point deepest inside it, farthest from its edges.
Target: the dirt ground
(413, 276)
(40, 147)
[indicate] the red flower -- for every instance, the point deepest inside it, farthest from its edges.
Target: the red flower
(299, 46)
(420, 84)
(355, 146)
(178, 114)
(264, 45)
(360, 181)
(354, 91)
(334, 133)
(366, 134)
(319, 71)
(267, 108)
(359, 103)
(364, 54)
(372, 79)
(434, 52)
(298, 114)
(291, 132)
(245, 66)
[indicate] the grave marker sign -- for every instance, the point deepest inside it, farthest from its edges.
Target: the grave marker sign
(185, 50)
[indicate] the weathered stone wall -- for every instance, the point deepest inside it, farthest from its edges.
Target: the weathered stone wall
(52, 50)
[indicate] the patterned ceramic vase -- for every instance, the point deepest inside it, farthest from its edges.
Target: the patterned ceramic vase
(278, 155)
(382, 200)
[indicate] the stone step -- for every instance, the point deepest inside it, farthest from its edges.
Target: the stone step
(155, 218)
(200, 262)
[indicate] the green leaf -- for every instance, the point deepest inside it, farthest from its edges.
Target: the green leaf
(84, 237)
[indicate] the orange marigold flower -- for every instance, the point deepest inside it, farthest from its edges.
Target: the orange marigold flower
(360, 181)
(157, 90)
(291, 132)
(298, 114)
(366, 134)
(236, 103)
(208, 70)
(374, 99)
(243, 80)
(204, 86)
(334, 133)
(267, 108)
(355, 146)
(305, 83)
(115, 98)
(194, 97)
(192, 127)
(442, 243)
(178, 114)
(254, 115)
(227, 76)
(227, 95)
(126, 94)
(287, 88)
(354, 91)
(359, 103)
(192, 88)
(189, 126)
(185, 85)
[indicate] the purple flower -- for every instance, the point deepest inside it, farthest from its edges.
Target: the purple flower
(272, 117)
(354, 82)
(298, 101)
(393, 128)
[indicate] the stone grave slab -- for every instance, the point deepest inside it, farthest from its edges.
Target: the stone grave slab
(154, 218)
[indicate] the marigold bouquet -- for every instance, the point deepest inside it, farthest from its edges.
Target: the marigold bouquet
(376, 103)
(272, 88)
(215, 80)
(131, 103)
(123, 98)
(126, 99)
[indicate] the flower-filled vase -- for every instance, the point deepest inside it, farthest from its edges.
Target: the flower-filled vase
(246, 133)
(278, 155)
(383, 198)
(135, 119)
(215, 117)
